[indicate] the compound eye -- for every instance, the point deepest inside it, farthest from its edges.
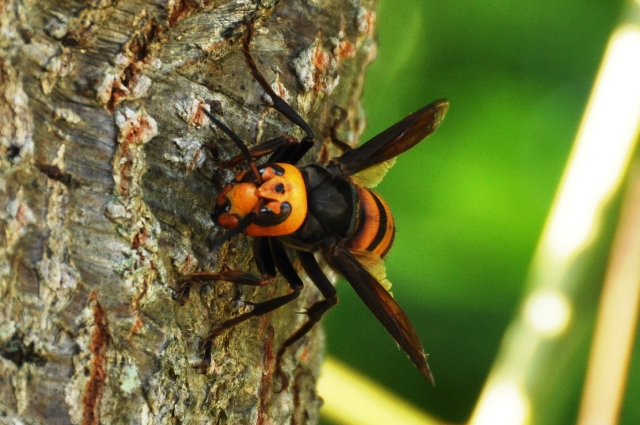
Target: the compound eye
(278, 170)
(270, 171)
(220, 209)
(285, 208)
(267, 217)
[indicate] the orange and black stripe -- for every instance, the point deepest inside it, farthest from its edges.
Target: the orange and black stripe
(376, 230)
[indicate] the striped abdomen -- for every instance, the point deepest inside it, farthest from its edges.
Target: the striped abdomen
(375, 229)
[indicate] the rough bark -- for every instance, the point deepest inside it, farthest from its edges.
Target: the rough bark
(105, 195)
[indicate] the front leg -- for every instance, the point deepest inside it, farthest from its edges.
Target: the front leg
(232, 276)
(264, 261)
(277, 259)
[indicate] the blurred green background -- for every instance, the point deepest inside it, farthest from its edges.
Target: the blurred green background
(470, 202)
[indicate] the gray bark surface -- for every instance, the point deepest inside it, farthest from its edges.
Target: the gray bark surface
(105, 196)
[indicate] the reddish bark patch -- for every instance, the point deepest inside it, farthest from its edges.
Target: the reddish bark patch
(137, 325)
(135, 305)
(268, 365)
(280, 90)
(366, 21)
(198, 118)
(136, 128)
(117, 95)
(125, 172)
(317, 68)
(304, 355)
(320, 61)
(345, 50)
(140, 238)
(181, 10)
(137, 131)
(98, 348)
(136, 53)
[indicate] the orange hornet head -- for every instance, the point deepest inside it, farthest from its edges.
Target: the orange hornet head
(280, 202)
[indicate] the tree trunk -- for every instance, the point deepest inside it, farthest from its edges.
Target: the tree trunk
(105, 196)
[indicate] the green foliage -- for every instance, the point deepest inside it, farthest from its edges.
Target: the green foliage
(471, 201)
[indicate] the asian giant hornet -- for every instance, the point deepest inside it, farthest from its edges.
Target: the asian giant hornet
(315, 209)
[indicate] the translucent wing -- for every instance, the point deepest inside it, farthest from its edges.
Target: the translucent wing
(374, 265)
(395, 140)
(372, 176)
(382, 305)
